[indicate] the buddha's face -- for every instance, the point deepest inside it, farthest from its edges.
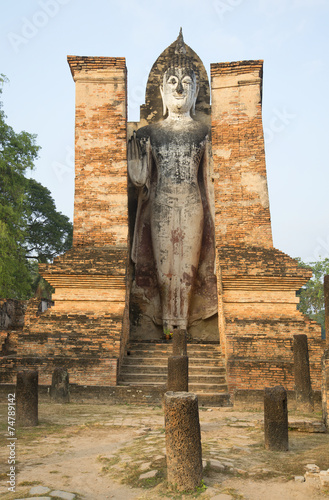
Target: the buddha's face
(179, 90)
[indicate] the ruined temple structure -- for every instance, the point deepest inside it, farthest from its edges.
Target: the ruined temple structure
(105, 326)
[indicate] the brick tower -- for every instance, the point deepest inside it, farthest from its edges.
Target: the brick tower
(96, 304)
(85, 330)
(257, 284)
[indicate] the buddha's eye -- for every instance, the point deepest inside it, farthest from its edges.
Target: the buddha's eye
(172, 81)
(187, 80)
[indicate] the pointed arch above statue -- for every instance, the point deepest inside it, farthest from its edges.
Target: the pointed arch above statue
(152, 110)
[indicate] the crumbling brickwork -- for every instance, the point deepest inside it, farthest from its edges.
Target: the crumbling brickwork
(241, 195)
(87, 328)
(100, 200)
(83, 331)
(257, 283)
(12, 315)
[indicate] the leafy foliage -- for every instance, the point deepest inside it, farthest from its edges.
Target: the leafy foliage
(48, 232)
(17, 154)
(312, 294)
(30, 226)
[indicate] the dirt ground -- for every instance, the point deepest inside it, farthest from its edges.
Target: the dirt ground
(99, 452)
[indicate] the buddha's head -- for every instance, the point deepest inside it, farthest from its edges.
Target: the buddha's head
(180, 86)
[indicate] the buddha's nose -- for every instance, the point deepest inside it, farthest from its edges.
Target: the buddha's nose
(179, 88)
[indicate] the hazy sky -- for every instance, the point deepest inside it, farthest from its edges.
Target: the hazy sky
(290, 35)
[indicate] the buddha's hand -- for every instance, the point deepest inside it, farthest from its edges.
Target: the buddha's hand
(138, 154)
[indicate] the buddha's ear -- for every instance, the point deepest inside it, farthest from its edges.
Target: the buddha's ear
(195, 98)
(163, 101)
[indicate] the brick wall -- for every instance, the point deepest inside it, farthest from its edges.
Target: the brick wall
(257, 284)
(260, 353)
(260, 317)
(242, 212)
(100, 200)
(12, 315)
(87, 328)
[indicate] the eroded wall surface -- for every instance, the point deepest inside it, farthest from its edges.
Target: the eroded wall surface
(87, 328)
(258, 283)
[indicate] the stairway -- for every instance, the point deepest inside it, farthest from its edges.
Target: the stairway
(145, 365)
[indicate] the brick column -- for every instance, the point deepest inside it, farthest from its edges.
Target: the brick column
(242, 213)
(88, 327)
(100, 201)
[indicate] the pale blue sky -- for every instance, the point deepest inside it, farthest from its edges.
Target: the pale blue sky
(290, 35)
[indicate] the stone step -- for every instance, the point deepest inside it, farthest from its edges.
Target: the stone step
(142, 384)
(153, 349)
(217, 369)
(145, 365)
(156, 353)
(197, 388)
(194, 387)
(163, 368)
(149, 368)
(168, 346)
(163, 361)
(164, 356)
(206, 379)
(158, 378)
(214, 399)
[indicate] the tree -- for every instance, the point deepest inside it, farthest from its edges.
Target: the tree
(31, 229)
(17, 155)
(312, 294)
(48, 232)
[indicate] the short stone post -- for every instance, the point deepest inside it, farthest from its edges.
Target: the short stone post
(60, 389)
(325, 387)
(326, 306)
(276, 418)
(178, 363)
(303, 389)
(183, 440)
(27, 398)
(179, 342)
(177, 374)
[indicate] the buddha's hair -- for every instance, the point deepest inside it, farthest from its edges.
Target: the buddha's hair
(182, 61)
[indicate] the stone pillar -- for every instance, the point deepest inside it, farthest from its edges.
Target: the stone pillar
(303, 389)
(325, 387)
(27, 398)
(183, 440)
(326, 305)
(60, 389)
(177, 373)
(276, 418)
(179, 342)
